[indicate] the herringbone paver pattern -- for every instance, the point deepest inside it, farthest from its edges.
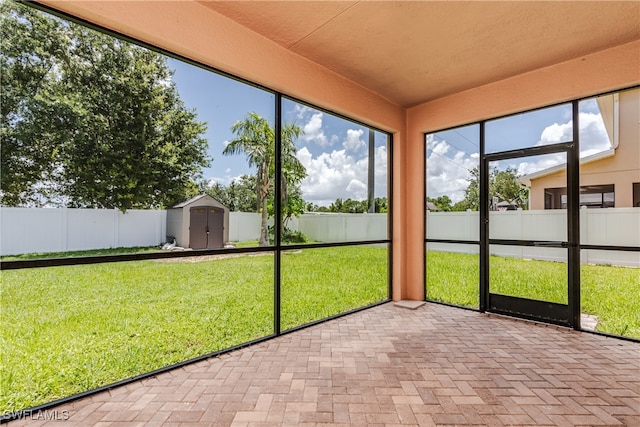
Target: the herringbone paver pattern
(391, 366)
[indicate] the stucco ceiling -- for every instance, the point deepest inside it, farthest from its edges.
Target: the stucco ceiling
(415, 51)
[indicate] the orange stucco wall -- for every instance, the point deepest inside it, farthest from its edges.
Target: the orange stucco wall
(196, 32)
(621, 170)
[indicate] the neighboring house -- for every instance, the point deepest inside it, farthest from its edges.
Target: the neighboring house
(610, 178)
(432, 207)
(504, 206)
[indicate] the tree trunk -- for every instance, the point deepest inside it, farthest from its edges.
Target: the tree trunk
(264, 200)
(264, 232)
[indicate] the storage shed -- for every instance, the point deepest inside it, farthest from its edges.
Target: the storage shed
(201, 222)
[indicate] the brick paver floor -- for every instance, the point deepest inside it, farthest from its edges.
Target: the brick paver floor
(388, 365)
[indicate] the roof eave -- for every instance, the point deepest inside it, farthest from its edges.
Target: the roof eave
(526, 179)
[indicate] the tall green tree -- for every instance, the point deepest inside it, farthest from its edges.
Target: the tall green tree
(502, 184)
(381, 205)
(29, 88)
(89, 120)
(255, 138)
(471, 199)
(505, 186)
(350, 206)
(442, 202)
(238, 196)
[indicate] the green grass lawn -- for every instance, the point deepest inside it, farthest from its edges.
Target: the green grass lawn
(68, 329)
(607, 292)
(92, 252)
(64, 330)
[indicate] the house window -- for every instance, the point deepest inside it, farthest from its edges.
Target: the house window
(555, 198)
(636, 194)
(591, 196)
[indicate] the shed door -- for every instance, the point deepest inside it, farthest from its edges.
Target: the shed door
(198, 228)
(215, 228)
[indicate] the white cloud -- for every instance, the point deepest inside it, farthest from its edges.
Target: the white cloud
(544, 162)
(224, 180)
(448, 168)
(313, 131)
(357, 187)
(353, 142)
(593, 134)
(335, 159)
(339, 175)
(593, 139)
(381, 175)
(556, 133)
(302, 110)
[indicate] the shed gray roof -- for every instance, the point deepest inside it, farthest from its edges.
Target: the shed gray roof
(195, 199)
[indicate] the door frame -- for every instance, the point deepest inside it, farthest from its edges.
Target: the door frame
(561, 314)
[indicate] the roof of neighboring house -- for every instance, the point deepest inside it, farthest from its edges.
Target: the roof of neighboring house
(432, 207)
(526, 179)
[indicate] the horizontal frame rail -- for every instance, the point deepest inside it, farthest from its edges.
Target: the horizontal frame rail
(83, 260)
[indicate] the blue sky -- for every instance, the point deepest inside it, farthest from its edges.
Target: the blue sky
(220, 102)
(333, 150)
(452, 154)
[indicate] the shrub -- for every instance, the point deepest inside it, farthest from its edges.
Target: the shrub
(288, 236)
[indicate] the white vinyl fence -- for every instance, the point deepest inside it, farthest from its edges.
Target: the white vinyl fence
(32, 230)
(38, 230)
(339, 227)
(614, 227)
(244, 226)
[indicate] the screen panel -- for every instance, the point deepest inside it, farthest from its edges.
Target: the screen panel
(334, 178)
(453, 274)
(322, 282)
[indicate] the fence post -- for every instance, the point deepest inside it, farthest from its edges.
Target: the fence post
(64, 230)
(162, 219)
(470, 227)
(116, 229)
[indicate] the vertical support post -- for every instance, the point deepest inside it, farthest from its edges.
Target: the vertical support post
(390, 216)
(425, 220)
(372, 175)
(483, 180)
(277, 200)
(573, 220)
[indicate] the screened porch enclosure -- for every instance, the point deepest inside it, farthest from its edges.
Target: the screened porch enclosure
(373, 164)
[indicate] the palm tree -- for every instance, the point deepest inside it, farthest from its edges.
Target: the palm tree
(256, 139)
